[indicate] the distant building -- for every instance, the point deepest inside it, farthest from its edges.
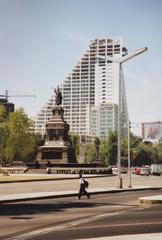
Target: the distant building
(152, 132)
(8, 106)
(103, 119)
(90, 91)
(43, 116)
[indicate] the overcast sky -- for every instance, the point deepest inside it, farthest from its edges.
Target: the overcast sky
(41, 40)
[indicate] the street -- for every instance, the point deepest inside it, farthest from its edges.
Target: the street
(68, 218)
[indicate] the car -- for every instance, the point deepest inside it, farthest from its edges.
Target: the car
(138, 171)
(115, 170)
(145, 171)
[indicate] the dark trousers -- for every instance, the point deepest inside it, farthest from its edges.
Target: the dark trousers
(82, 191)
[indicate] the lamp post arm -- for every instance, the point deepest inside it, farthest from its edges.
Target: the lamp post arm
(133, 54)
(125, 58)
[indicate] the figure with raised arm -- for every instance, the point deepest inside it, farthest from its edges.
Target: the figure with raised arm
(58, 98)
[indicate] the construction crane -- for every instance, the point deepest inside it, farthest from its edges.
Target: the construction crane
(6, 96)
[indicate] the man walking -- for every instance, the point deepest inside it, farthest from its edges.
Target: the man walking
(82, 190)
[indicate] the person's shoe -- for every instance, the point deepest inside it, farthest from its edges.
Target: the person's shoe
(88, 197)
(77, 198)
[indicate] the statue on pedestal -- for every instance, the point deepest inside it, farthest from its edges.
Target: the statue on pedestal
(57, 148)
(58, 97)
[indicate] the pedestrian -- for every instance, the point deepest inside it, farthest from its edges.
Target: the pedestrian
(82, 190)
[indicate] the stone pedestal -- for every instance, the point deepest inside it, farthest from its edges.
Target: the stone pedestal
(57, 148)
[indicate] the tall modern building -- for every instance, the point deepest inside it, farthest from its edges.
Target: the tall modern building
(90, 92)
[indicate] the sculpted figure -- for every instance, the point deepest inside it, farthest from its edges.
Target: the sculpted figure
(58, 98)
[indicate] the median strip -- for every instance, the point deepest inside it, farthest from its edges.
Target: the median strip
(157, 199)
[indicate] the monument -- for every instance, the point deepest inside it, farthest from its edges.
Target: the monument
(57, 148)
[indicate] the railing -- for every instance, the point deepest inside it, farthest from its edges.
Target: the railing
(12, 170)
(78, 170)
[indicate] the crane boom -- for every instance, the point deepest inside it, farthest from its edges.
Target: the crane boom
(6, 96)
(26, 95)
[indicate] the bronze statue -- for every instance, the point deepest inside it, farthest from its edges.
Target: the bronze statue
(58, 98)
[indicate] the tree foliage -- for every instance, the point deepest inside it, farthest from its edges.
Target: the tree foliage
(75, 142)
(97, 146)
(141, 153)
(145, 154)
(108, 149)
(104, 152)
(112, 148)
(91, 153)
(4, 133)
(17, 143)
(159, 149)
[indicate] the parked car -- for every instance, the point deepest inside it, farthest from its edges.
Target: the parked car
(137, 170)
(115, 170)
(145, 171)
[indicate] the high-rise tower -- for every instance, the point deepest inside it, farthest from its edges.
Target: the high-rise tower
(91, 86)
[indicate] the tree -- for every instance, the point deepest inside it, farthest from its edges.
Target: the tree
(97, 146)
(159, 149)
(3, 134)
(75, 141)
(91, 153)
(145, 154)
(112, 148)
(134, 143)
(3, 114)
(108, 149)
(20, 142)
(104, 152)
(155, 157)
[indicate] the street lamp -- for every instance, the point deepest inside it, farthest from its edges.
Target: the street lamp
(118, 61)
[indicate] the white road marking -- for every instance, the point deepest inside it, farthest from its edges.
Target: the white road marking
(62, 226)
(119, 225)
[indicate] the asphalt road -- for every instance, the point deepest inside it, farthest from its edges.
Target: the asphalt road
(68, 218)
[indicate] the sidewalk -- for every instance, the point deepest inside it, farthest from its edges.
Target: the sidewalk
(7, 198)
(148, 236)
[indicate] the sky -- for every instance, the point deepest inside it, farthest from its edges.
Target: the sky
(42, 40)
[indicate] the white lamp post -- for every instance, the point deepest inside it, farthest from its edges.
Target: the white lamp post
(119, 61)
(129, 155)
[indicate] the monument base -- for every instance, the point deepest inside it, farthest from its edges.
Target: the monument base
(57, 148)
(56, 155)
